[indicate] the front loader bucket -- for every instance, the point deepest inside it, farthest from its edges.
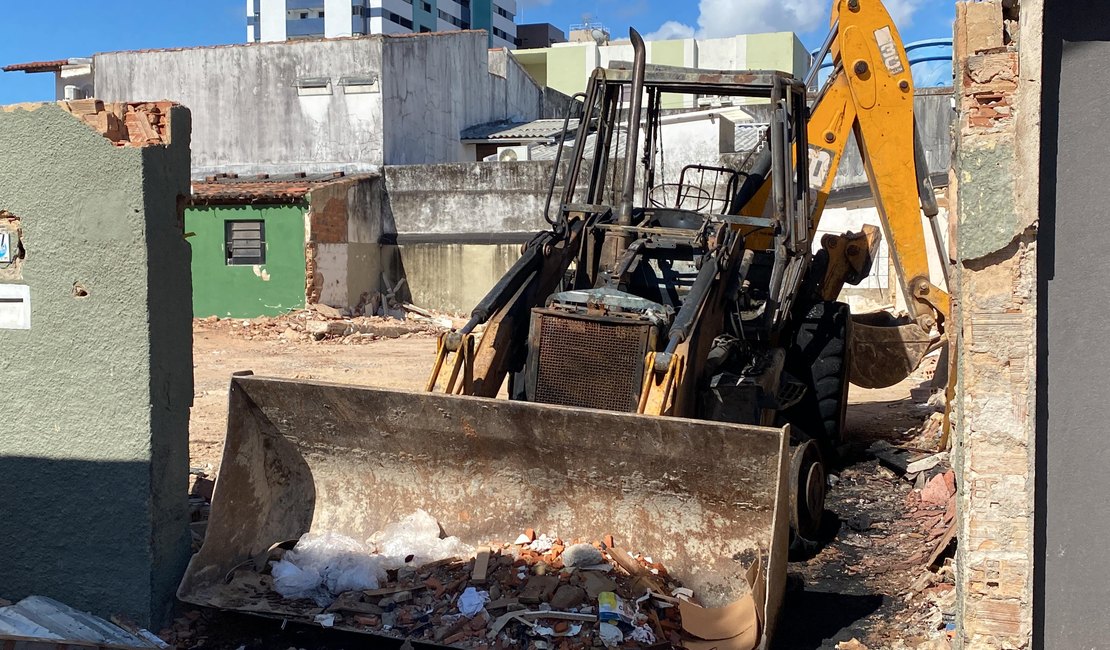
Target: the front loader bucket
(884, 350)
(706, 499)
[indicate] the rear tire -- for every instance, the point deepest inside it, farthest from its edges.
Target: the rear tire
(818, 358)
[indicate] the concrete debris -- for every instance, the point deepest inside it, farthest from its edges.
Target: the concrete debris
(326, 311)
(321, 323)
(582, 555)
(45, 619)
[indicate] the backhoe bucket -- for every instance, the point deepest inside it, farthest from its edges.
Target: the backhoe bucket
(706, 499)
(884, 350)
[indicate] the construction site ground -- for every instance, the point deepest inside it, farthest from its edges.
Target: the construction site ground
(867, 579)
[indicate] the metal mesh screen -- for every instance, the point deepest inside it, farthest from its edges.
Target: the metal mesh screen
(590, 364)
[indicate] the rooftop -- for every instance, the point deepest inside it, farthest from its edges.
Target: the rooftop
(264, 188)
(546, 131)
(37, 66)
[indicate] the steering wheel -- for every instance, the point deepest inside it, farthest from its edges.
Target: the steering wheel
(682, 194)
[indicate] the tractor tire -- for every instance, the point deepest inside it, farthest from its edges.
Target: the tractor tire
(818, 357)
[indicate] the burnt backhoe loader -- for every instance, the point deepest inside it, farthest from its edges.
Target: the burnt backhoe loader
(675, 359)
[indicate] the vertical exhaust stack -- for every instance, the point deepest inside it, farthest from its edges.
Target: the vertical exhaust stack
(635, 104)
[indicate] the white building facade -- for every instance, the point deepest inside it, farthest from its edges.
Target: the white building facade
(281, 20)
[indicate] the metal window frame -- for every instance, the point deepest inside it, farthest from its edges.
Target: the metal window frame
(230, 256)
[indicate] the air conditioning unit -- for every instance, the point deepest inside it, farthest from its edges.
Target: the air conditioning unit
(491, 158)
(514, 154)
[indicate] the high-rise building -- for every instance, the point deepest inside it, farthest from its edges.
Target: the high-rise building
(281, 20)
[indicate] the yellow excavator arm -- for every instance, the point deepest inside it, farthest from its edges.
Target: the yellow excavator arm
(870, 96)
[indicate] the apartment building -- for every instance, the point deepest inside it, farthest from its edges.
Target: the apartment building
(281, 20)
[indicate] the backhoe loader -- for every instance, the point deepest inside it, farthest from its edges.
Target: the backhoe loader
(675, 360)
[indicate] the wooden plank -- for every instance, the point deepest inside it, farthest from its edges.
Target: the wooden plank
(942, 544)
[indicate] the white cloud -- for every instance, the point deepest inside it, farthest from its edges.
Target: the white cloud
(722, 18)
(902, 11)
(670, 30)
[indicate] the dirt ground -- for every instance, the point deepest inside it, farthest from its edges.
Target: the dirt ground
(866, 579)
(219, 350)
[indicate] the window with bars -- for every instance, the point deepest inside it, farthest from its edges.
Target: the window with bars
(245, 242)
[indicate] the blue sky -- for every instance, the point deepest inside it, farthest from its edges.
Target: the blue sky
(38, 31)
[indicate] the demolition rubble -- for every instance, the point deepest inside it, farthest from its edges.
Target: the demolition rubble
(539, 591)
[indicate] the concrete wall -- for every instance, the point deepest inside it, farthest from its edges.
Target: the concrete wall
(94, 454)
(454, 278)
(251, 117)
(349, 249)
(997, 194)
(434, 87)
(246, 291)
(248, 115)
(460, 226)
(496, 199)
(1072, 579)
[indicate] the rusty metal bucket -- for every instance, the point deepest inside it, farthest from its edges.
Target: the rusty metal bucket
(885, 349)
(704, 498)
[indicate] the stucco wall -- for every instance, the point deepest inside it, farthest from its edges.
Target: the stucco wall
(94, 454)
(248, 115)
(246, 291)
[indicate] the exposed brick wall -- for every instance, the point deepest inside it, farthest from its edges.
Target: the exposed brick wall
(328, 214)
(125, 124)
(996, 319)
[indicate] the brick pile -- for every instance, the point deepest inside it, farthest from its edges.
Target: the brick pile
(125, 124)
(529, 596)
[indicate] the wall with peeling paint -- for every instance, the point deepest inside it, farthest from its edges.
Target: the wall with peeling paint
(246, 291)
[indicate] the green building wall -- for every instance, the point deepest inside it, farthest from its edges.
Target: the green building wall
(246, 291)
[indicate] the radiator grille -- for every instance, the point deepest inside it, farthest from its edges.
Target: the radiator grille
(589, 363)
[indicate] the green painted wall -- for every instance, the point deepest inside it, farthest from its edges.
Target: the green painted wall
(774, 51)
(566, 69)
(242, 291)
(95, 449)
(670, 53)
